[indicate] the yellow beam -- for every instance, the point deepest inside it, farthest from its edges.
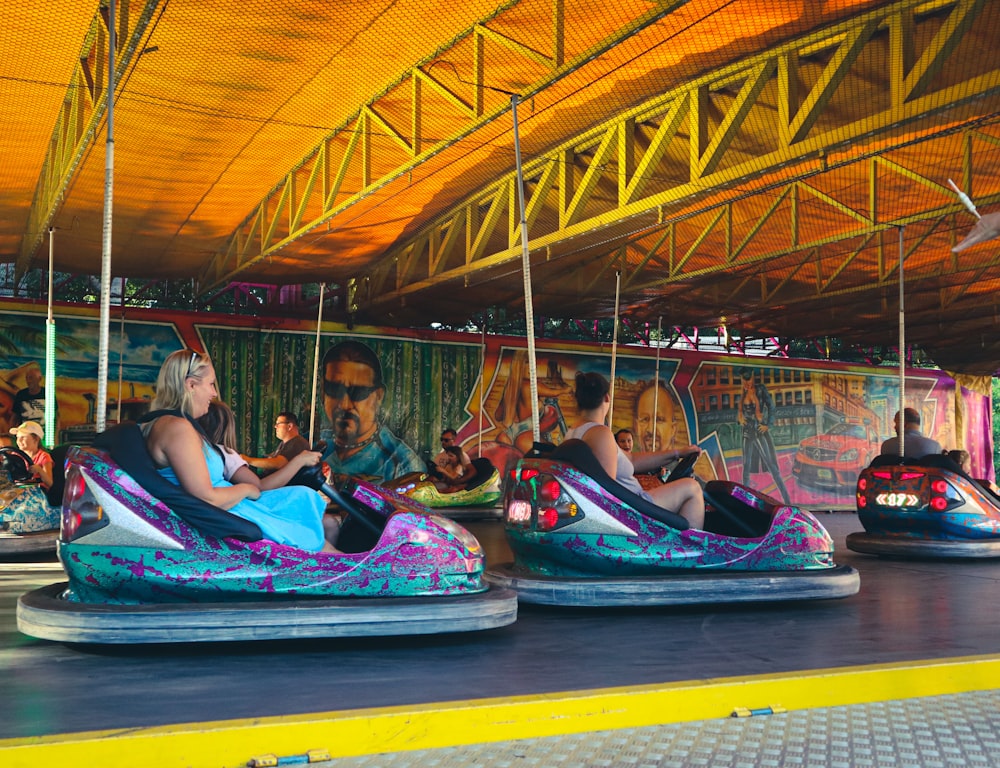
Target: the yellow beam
(580, 213)
(230, 744)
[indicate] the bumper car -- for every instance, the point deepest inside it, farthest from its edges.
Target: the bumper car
(29, 515)
(147, 563)
(581, 539)
(925, 508)
(420, 487)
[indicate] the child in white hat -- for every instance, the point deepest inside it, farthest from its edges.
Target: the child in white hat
(29, 439)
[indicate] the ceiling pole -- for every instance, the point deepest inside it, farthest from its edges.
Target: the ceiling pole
(121, 353)
(109, 176)
(614, 345)
(319, 331)
(656, 378)
(902, 347)
(50, 355)
(482, 385)
(529, 314)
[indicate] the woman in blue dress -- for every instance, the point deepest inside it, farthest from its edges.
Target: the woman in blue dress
(186, 383)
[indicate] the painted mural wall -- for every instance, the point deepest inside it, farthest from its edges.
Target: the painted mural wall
(382, 399)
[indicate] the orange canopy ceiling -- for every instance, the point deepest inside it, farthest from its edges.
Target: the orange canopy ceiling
(764, 164)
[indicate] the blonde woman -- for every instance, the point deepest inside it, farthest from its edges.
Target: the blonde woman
(185, 390)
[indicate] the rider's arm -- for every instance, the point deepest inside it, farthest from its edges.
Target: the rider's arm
(651, 462)
(468, 473)
(281, 477)
(173, 441)
(245, 475)
(602, 443)
(266, 463)
(43, 472)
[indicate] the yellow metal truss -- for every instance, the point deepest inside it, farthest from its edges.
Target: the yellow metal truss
(314, 193)
(613, 174)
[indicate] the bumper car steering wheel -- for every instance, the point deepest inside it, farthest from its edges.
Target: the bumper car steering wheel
(16, 462)
(683, 468)
(312, 477)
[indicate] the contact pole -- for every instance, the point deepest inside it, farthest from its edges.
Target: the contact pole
(121, 354)
(614, 345)
(482, 386)
(656, 377)
(529, 314)
(319, 332)
(109, 177)
(902, 346)
(50, 355)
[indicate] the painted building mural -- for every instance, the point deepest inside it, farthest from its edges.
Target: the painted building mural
(799, 430)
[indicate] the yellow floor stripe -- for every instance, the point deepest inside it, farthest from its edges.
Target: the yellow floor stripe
(229, 744)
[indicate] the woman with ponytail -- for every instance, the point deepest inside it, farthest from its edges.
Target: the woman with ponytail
(593, 401)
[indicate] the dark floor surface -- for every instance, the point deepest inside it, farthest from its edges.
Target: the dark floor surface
(905, 611)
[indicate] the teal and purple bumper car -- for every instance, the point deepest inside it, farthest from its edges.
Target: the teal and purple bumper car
(154, 565)
(29, 514)
(581, 539)
(925, 508)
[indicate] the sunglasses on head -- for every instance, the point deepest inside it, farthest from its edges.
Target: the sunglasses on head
(191, 361)
(355, 393)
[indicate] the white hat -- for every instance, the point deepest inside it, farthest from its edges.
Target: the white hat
(29, 428)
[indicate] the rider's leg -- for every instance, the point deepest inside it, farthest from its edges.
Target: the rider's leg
(685, 497)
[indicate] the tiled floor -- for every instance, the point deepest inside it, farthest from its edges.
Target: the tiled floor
(954, 731)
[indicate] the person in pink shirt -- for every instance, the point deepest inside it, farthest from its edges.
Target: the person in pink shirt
(29, 439)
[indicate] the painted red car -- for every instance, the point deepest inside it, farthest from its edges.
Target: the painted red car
(836, 458)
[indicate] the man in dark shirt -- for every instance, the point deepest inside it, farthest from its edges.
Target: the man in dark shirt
(29, 403)
(286, 427)
(915, 444)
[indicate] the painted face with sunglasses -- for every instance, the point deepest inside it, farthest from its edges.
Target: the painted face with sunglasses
(351, 401)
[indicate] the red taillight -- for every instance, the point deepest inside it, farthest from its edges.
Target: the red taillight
(862, 500)
(549, 490)
(883, 475)
(81, 513)
(528, 474)
(910, 475)
(547, 518)
(862, 483)
(939, 486)
(939, 503)
(74, 488)
(70, 524)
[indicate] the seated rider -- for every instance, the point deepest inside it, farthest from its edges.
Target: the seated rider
(442, 462)
(915, 444)
(29, 439)
(185, 388)
(456, 475)
(625, 440)
(964, 460)
(593, 401)
(286, 426)
(219, 424)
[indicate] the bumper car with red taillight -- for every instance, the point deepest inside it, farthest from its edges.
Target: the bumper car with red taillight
(581, 539)
(925, 507)
(29, 524)
(140, 573)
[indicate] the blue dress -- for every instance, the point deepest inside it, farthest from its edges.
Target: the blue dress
(291, 515)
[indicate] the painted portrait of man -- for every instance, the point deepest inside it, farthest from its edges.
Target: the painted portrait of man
(353, 396)
(658, 421)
